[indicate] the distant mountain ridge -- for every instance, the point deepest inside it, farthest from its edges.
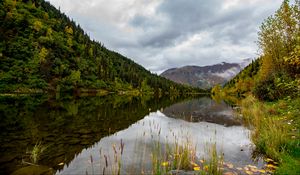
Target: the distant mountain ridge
(205, 76)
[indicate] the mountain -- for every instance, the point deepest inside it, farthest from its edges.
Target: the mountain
(206, 76)
(42, 50)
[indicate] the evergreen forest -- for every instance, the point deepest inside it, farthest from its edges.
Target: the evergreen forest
(43, 50)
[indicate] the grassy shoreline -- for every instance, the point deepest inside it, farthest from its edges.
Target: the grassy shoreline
(275, 131)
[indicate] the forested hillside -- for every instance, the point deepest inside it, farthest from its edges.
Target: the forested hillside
(269, 91)
(276, 73)
(42, 50)
(243, 81)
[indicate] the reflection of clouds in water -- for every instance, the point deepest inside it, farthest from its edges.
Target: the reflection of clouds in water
(139, 139)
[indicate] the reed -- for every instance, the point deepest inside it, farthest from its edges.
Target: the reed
(36, 152)
(112, 164)
(168, 156)
(268, 133)
(178, 158)
(215, 161)
(173, 157)
(275, 129)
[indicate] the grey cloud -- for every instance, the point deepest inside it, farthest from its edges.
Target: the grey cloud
(143, 22)
(166, 38)
(156, 40)
(192, 16)
(185, 17)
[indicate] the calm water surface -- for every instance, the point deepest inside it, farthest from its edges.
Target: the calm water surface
(85, 135)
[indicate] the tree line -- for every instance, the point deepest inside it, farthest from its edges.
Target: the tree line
(276, 73)
(42, 49)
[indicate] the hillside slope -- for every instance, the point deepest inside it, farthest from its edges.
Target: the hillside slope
(41, 49)
(268, 90)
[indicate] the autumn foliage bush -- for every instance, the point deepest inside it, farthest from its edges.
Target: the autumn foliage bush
(279, 40)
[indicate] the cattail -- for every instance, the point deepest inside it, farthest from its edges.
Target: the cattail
(103, 172)
(114, 148)
(116, 158)
(91, 159)
(122, 146)
(106, 163)
(92, 163)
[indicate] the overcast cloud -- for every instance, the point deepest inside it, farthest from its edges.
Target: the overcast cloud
(163, 34)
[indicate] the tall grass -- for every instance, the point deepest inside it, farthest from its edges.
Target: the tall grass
(114, 163)
(275, 131)
(178, 158)
(173, 157)
(35, 153)
(215, 161)
(174, 154)
(268, 133)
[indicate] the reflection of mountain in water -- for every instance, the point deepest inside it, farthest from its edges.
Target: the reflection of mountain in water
(203, 110)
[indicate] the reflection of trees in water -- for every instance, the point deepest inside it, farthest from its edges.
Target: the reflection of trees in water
(65, 126)
(203, 109)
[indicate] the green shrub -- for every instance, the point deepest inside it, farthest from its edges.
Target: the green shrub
(277, 87)
(265, 89)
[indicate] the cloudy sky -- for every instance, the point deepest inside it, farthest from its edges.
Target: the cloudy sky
(162, 34)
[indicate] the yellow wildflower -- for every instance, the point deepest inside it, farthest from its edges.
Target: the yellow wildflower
(205, 168)
(165, 163)
(196, 168)
(194, 164)
(262, 171)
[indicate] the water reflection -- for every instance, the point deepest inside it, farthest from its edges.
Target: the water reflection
(203, 110)
(166, 126)
(63, 127)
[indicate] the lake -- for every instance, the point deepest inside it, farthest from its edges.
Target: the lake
(119, 134)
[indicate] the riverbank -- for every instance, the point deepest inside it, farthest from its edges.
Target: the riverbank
(275, 131)
(82, 92)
